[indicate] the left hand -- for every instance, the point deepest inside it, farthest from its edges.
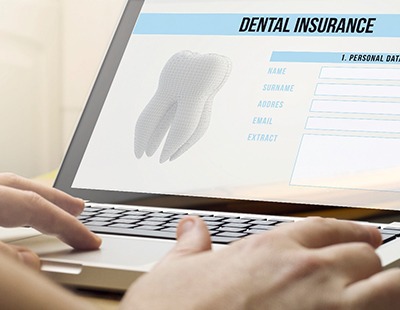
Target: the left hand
(26, 203)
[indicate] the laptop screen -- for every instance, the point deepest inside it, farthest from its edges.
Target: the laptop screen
(286, 101)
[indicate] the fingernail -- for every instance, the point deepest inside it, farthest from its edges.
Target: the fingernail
(187, 225)
(92, 243)
(98, 239)
(376, 237)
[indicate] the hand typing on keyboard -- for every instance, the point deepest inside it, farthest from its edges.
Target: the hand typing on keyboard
(26, 203)
(311, 264)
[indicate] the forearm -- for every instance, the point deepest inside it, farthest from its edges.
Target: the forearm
(23, 288)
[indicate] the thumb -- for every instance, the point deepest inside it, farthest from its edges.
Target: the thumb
(192, 237)
(21, 254)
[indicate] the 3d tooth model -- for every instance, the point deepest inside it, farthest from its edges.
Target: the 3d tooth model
(181, 105)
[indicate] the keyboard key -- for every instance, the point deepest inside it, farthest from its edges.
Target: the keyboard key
(170, 229)
(112, 211)
(108, 215)
(231, 235)
(236, 220)
(88, 213)
(160, 215)
(151, 223)
(96, 223)
(212, 227)
(101, 219)
(213, 218)
(387, 237)
(178, 216)
(133, 217)
(263, 222)
(148, 227)
(156, 219)
(231, 229)
(213, 223)
(121, 225)
(263, 227)
(390, 231)
(125, 221)
(236, 225)
(93, 209)
(137, 213)
(169, 224)
(223, 240)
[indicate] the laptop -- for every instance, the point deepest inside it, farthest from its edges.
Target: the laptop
(236, 111)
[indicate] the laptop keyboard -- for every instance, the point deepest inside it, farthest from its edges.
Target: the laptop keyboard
(162, 224)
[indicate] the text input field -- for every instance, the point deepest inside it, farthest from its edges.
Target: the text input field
(347, 162)
(385, 74)
(359, 107)
(349, 124)
(358, 90)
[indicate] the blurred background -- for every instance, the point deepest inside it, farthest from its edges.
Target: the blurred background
(50, 53)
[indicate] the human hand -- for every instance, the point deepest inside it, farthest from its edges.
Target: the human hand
(311, 264)
(50, 211)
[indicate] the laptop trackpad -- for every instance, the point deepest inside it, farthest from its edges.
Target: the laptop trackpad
(130, 253)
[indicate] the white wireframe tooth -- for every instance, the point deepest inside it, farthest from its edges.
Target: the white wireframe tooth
(182, 103)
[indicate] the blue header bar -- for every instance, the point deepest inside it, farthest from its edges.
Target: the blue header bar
(380, 25)
(333, 57)
(315, 57)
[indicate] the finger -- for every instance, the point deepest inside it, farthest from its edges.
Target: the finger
(351, 262)
(51, 220)
(21, 254)
(320, 232)
(68, 203)
(192, 237)
(29, 209)
(380, 291)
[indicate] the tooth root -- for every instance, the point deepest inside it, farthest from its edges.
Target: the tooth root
(183, 101)
(152, 125)
(182, 128)
(199, 131)
(160, 131)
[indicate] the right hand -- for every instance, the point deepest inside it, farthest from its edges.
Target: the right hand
(310, 264)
